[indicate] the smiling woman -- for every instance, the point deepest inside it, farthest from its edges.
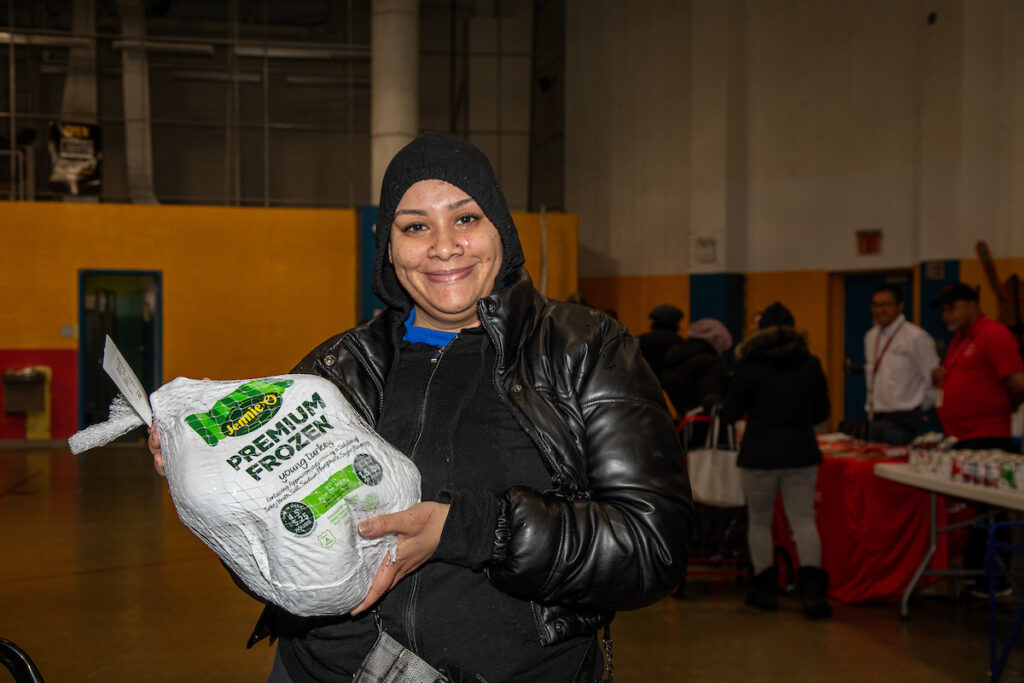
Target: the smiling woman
(552, 485)
(446, 254)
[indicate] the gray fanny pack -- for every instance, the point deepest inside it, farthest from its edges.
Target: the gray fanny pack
(391, 662)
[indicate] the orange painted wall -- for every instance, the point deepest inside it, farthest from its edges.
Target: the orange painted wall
(245, 291)
(562, 241)
(812, 296)
(972, 273)
(803, 292)
(634, 296)
(834, 361)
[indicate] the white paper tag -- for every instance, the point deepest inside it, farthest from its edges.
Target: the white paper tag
(938, 398)
(126, 380)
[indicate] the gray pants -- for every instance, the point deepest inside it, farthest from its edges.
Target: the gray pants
(798, 486)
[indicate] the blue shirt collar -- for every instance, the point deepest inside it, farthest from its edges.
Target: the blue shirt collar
(422, 335)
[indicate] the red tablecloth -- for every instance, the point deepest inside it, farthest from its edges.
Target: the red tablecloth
(874, 532)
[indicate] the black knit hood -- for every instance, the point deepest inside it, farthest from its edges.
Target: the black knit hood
(442, 156)
(776, 345)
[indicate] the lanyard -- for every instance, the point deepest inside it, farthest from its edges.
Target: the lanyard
(878, 356)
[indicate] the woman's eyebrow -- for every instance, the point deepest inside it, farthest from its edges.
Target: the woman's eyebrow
(421, 212)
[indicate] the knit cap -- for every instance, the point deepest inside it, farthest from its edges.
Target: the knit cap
(712, 331)
(776, 314)
(442, 156)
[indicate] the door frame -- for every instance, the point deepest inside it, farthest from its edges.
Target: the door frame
(158, 344)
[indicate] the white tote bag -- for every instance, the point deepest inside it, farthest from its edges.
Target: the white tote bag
(714, 476)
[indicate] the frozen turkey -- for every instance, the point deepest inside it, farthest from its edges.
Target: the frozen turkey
(274, 474)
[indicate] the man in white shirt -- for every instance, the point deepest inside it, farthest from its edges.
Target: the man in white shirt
(900, 357)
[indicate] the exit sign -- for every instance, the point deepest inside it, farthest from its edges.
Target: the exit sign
(869, 242)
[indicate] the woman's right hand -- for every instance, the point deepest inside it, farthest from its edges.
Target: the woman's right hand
(154, 447)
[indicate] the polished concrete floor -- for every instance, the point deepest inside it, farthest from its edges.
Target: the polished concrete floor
(99, 581)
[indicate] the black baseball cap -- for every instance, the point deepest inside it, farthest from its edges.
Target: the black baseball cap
(958, 291)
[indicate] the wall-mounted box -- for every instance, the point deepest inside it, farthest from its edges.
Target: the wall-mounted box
(24, 391)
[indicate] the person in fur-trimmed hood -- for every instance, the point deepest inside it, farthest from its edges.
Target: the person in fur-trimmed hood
(780, 386)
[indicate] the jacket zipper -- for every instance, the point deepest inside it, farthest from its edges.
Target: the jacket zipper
(410, 606)
(557, 480)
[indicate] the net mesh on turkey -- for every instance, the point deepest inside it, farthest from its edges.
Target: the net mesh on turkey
(274, 474)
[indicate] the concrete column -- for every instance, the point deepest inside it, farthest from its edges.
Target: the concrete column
(394, 113)
(138, 136)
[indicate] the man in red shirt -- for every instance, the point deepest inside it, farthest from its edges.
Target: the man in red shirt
(981, 378)
(980, 383)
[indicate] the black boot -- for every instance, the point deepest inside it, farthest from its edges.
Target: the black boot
(813, 584)
(765, 595)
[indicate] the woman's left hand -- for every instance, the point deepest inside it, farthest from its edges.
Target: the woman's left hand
(419, 531)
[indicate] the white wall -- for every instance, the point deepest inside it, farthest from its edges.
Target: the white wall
(993, 124)
(857, 114)
(832, 131)
(627, 134)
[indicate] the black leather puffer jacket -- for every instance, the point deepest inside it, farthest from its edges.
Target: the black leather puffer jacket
(611, 531)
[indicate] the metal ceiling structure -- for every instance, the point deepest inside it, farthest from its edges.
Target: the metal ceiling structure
(141, 69)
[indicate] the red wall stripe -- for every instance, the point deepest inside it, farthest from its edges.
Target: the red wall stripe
(63, 390)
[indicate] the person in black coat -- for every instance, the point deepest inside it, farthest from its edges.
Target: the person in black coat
(663, 336)
(694, 376)
(780, 386)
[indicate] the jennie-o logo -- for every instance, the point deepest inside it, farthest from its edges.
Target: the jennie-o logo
(245, 409)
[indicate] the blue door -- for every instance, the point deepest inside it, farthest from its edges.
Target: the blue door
(858, 291)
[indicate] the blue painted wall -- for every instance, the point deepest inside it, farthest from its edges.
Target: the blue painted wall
(720, 296)
(368, 250)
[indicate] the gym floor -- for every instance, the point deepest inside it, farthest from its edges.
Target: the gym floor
(99, 581)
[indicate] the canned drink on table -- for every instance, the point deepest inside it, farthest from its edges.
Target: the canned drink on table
(923, 463)
(993, 469)
(974, 471)
(956, 468)
(1008, 475)
(971, 463)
